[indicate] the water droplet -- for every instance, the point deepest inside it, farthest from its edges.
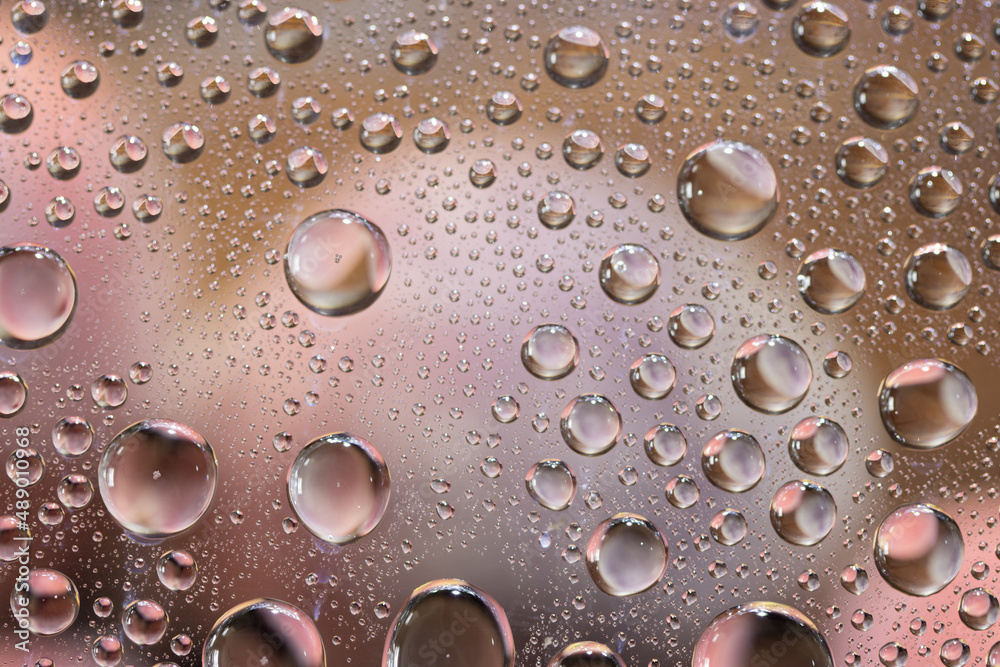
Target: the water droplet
(733, 461)
(293, 35)
(935, 10)
(918, 549)
(337, 262)
(157, 477)
(13, 394)
(215, 89)
(727, 190)
(626, 555)
(927, 403)
(550, 352)
(665, 444)
(177, 570)
(414, 53)
(503, 108)
(586, 654)
(861, 162)
(728, 527)
(831, 281)
(576, 57)
(127, 13)
(25, 466)
(505, 409)
(450, 622)
(938, 276)
(109, 391)
(483, 173)
(201, 31)
(183, 142)
(682, 492)
(818, 446)
(63, 163)
(37, 296)
(14, 535)
(556, 210)
(552, 484)
(339, 487)
(75, 491)
(432, 135)
(80, 79)
(281, 633)
(306, 167)
(691, 326)
(591, 425)
(652, 376)
(629, 273)
(935, 192)
(771, 373)
(803, 513)
(979, 609)
(886, 97)
(759, 633)
(51, 600)
(16, 113)
(381, 133)
(741, 21)
(582, 149)
(107, 651)
(29, 16)
(821, 29)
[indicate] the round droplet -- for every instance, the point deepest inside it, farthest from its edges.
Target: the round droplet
(293, 35)
(727, 190)
(803, 513)
(691, 326)
(771, 373)
(576, 57)
(831, 281)
(75, 491)
(177, 570)
(761, 633)
(957, 138)
(505, 409)
(109, 391)
(29, 16)
(337, 262)
(306, 167)
(927, 403)
(582, 149)
(381, 133)
(651, 108)
(483, 173)
(556, 210)
(63, 163)
(215, 89)
(818, 446)
(128, 153)
(935, 192)
(682, 492)
(201, 31)
(728, 527)
(626, 555)
(280, 633)
(591, 425)
(158, 477)
(432, 135)
(733, 461)
(80, 79)
(632, 160)
(413, 52)
(450, 622)
(183, 142)
(14, 535)
(629, 273)
(741, 20)
(339, 487)
(107, 651)
(821, 29)
(938, 276)
(261, 128)
(13, 394)
(918, 549)
(861, 162)
(16, 113)
(935, 10)
(652, 376)
(552, 484)
(550, 352)
(127, 13)
(979, 609)
(25, 466)
(37, 296)
(503, 108)
(886, 97)
(665, 445)
(586, 654)
(48, 601)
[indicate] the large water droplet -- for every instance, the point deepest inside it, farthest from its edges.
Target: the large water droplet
(861, 162)
(177, 570)
(927, 403)
(183, 142)
(380, 133)
(886, 97)
(432, 135)
(761, 633)
(50, 600)
(629, 273)
(337, 262)
(591, 425)
(727, 190)
(831, 281)
(652, 376)
(728, 527)
(413, 52)
(80, 79)
(821, 29)
(691, 326)
(818, 446)
(586, 654)
(935, 192)
(293, 35)
(279, 632)
(144, 622)
(918, 549)
(339, 487)
(582, 149)
(803, 513)
(626, 555)
(733, 461)
(576, 57)
(665, 445)
(37, 296)
(550, 352)
(72, 436)
(16, 113)
(450, 623)
(13, 394)
(771, 373)
(551, 483)
(938, 276)
(158, 477)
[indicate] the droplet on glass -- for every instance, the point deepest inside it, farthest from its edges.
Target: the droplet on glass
(861, 162)
(733, 461)
(652, 376)
(691, 326)
(771, 373)
(281, 632)
(591, 425)
(550, 352)
(937, 276)
(626, 555)
(552, 484)
(803, 513)
(586, 654)
(665, 444)
(48, 601)
(37, 296)
(576, 57)
(818, 446)
(831, 281)
(293, 35)
(629, 273)
(918, 549)
(886, 97)
(755, 633)
(927, 403)
(413, 52)
(821, 29)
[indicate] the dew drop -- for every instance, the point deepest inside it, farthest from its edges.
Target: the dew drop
(576, 57)
(626, 555)
(591, 425)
